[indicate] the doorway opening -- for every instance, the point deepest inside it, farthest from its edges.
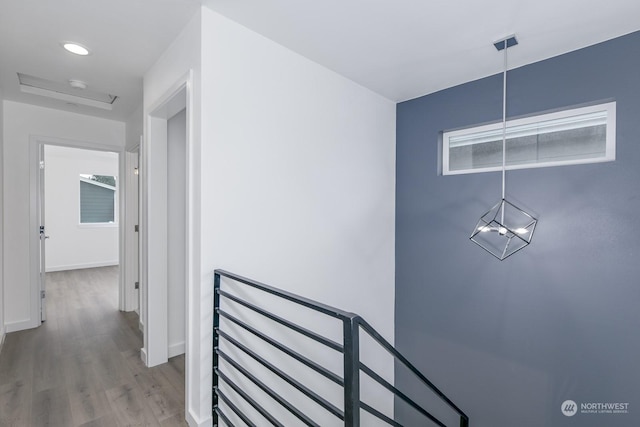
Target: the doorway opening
(76, 212)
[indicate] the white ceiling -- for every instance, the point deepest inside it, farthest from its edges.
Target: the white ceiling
(125, 36)
(401, 49)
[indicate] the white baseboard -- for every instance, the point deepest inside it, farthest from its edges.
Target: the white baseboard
(141, 326)
(81, 266)
(20, 325)
(193, 421)
(176, 349)
(143, 356)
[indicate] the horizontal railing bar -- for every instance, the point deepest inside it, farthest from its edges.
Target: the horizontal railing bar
(290, 380)
(221, 414)
(300, 358)
(265, 388)
(306, 302)
(306, 332)
(249, 399)
(379, 415)
(398, 393)
(233, 407)
(391, 349)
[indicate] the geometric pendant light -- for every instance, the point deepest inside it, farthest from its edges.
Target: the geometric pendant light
(505, 228)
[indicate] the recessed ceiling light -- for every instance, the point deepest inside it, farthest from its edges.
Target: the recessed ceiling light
(75, 48)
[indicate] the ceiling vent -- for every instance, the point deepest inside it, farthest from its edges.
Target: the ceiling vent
(73, 92)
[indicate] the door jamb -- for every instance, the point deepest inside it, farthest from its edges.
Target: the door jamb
(130, 302)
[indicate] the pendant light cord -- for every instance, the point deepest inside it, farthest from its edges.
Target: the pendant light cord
(504, 120)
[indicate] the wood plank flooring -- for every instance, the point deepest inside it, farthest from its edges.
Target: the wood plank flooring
(82, 367)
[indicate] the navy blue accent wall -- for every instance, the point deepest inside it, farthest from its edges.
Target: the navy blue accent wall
(510, 341)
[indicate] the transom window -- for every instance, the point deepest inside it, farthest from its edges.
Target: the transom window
(576, 136)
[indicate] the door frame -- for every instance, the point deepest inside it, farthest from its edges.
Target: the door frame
(36, 142)
(153, 223)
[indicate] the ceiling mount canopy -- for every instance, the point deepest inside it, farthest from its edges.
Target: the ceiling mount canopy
(505, 228)
(505, 43)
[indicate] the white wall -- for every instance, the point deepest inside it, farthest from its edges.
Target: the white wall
(298, 188)
(176, 239)
(315, 153)
(71, 245)
(21, 122)
(134, 129)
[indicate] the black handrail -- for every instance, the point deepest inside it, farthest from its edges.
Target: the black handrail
(306, 302)
(352, 366)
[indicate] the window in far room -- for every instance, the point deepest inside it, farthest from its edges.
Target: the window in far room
(98, 199)
(575, 136)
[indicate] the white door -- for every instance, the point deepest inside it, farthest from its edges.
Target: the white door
(134, 206)
(136, 247)
(43, 234)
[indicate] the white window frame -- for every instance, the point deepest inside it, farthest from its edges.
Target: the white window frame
(608, 108)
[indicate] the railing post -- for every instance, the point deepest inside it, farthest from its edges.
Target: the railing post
(216, 339)
(351, 335)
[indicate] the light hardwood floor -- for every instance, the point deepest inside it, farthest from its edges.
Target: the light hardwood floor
(82, 367)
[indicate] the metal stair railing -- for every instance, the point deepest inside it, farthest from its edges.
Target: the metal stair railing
(350, 413)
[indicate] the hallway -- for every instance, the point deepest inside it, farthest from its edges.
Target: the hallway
(82, 366)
